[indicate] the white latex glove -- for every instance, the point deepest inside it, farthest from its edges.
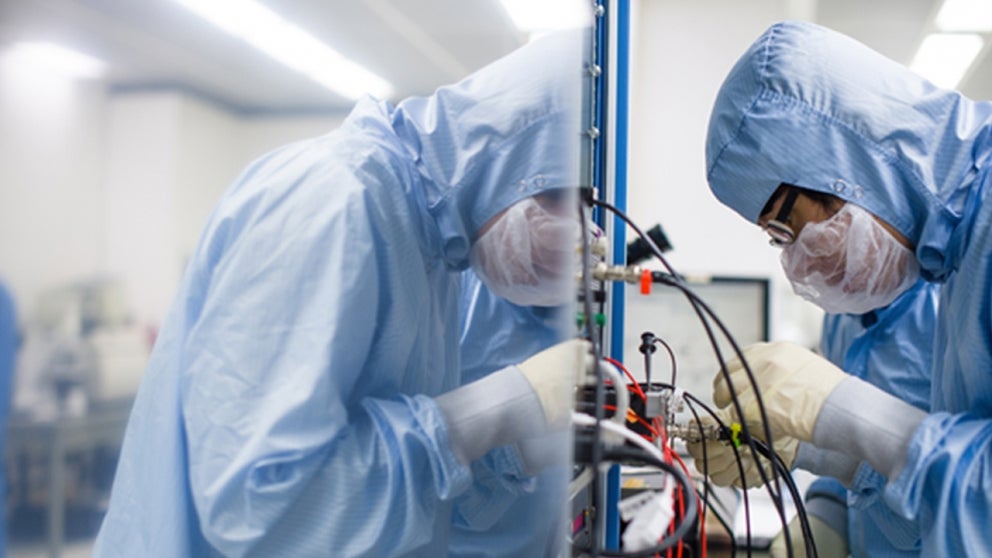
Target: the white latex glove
(552, 374)
(532, 400)
(829, 543)
(794, 384)
(722, 463)
(538, 453)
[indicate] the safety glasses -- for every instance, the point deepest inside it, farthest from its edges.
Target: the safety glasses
(779, 232)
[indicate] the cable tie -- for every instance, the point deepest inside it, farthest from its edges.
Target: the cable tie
(735, 434)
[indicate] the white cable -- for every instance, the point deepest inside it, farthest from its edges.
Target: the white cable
(655, 518)
(582, 419)
(623, 396)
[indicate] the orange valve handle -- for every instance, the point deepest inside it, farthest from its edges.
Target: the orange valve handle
(646, 282)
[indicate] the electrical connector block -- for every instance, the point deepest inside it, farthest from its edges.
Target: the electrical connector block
(656, 404)
(663, 403)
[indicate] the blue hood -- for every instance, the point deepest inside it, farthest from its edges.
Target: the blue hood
(507, 132)
(811, 107)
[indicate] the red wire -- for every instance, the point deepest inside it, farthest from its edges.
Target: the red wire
(702, 511)
(658, 430)
(636, 385)
(667, 452)
(681, 516)
(641, 420)
(660, 427)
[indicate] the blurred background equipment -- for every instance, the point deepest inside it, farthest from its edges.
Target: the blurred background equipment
(81, 348)
(80, 364)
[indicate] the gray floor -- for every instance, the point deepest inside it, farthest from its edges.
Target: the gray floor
(76, 549)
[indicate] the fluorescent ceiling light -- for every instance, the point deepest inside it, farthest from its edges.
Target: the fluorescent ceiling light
(965, 15)
(548, 15)
(294, 47)
(943, 58)
(49, 56)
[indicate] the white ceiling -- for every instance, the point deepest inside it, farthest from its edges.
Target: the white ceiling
(415, 44)
(895, 28)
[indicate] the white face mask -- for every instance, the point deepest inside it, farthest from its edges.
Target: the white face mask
(528, 255)
(849, 263)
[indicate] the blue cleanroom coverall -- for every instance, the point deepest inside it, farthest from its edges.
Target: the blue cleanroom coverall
(810, 107)
(499, 511)
(9, 342)
(288, 408)
(891, 348)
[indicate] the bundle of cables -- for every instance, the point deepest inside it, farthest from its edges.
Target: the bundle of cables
(759, 445)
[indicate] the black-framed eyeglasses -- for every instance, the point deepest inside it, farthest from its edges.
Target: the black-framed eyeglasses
(779, 232)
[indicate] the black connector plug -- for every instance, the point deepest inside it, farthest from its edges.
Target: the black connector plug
(639, 250)
(647, 343)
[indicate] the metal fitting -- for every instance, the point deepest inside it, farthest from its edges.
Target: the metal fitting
(692, 434)
(604, 272)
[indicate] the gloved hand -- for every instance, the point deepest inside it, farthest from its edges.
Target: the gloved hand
(552, 374)
(722, 462)
(540, 452)
(829, 543)
(526, 401)
(794, 384)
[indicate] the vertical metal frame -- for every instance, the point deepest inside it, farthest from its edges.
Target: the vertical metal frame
(612, 70)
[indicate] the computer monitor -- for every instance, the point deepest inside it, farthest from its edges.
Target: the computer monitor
(741, 303)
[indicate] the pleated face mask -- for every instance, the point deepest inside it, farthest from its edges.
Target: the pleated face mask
(849, 263)
(528, 255)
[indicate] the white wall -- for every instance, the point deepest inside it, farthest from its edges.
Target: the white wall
(171, 157)
(680, 55)
(51, 179)
(96, 184)
(141, 199)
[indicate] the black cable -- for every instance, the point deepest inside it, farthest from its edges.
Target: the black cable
(706, 476)
(671, 355)
(764, 450)
(725, 524)
(627, 453)
(740, 466)
(697, 304)
(600, 396)
(796, 497)
(699, 307)
(746, 434)
(647, 348)
(716, 513)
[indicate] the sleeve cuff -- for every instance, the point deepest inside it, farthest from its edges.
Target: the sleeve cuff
(494, 411)
(826, 463)
(868, 424)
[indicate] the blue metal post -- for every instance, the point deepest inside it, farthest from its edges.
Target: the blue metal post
(619, 239)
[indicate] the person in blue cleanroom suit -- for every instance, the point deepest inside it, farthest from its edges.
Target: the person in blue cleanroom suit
(891, 348)
(306, 395)
(496, 333)
(809, 110)
(9, 342)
